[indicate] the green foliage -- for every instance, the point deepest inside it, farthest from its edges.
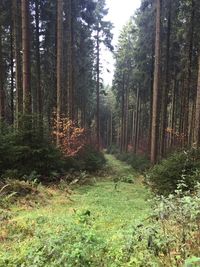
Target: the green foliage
(193, 261)
(178, 216)
(113, 149)
(92, 229)
(165, 176)
(76, 245)
(90, 159)
(28, 154)
(138, 162)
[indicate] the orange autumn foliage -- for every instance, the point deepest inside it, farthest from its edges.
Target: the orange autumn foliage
(72, 138)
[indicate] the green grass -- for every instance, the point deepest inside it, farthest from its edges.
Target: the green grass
(106, 209)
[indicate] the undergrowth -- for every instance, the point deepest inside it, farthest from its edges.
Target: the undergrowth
(166, 175)
(100, 224)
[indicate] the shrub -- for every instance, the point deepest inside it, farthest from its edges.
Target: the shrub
(29, 154)
(183, 165)
(138, 162)
(26, 151)
(75, 245)
(90, 159)
(113, 149)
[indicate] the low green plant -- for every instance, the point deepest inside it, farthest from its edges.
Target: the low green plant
(26, 152)
(112, 149)
(90, 159)
(165, 176)
(138, 162)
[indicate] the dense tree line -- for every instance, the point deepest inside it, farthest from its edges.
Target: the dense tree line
(50, 60)
(156, 80)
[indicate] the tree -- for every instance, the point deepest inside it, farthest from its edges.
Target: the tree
(59, 62)
(26, 57)
(38, 63)
(103, 35)
(156, 85)
(197, 117)
(17, 48)
(2, 93)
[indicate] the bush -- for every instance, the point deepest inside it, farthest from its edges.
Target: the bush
(183, 165)
(113, 149)
(29, 154)
(90, 159)
(75, 245)
(138, 162)
(27, 151)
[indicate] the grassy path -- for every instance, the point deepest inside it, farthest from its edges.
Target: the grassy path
(108, 210)
(114, 208)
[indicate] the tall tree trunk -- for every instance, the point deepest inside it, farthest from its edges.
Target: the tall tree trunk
(189, 75)
(38, 70)
(136, 122)
(111, 128)
(59, 64)
(2, 93)
(12, 74)
(156, 85)
(26, 57)
(197, 116)
(17, 48)
(70, 62)
(172, 119)
(126, 120)
(122, 116)
(98, 92)
(133, 128)
(166, 85)
(151, 100)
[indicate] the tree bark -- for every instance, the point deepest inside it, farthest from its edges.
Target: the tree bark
(156, 85)
(197, 116)
(2, 93)
(122, 116)
(188, 76)
(26, 57)
(12, 74)
(18, 70)
(59, 64)
(38, 70)
(70, 62)
(166, 86)
(136, 121)
(98, 93)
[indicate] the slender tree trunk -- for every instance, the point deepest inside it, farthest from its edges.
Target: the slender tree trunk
(12, 74)
(98, 93)
(139, 127)
(197, 116)
(70, 62)
(188, 78)
(18, 71)
(136, 122)
(133, 128)
(59, 64)
(38, 70)
(156, 85)
(122, 116)
(126, 120)
(26, 57)
(151, 100)
(173, 126)
(111, 128)
(2, 93)
(166, 86)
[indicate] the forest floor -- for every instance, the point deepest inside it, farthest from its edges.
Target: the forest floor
(109, 205)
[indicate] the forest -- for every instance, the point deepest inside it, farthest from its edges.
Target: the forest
(93, 174)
